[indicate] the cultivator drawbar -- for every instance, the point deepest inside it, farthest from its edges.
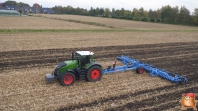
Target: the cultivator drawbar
(132, 64)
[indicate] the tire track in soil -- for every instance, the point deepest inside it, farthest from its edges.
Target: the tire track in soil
(150, 102)
(51, 51)
(49, 57)
(174, 64)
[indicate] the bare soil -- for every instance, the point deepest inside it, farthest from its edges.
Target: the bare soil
(23, 85)
(55, 40)
(26, 57)
(41, 23)
(125, 24)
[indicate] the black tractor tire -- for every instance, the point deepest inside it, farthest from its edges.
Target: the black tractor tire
(139, 70)
(94, 74)
(67, 79)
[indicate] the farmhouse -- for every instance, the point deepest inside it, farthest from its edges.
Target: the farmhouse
(47, 10)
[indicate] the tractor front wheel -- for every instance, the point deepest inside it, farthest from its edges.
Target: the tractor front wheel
(67, 79)
(94, 74)
(140, 70)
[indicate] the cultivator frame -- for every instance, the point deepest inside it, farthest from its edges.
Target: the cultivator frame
(132, 64)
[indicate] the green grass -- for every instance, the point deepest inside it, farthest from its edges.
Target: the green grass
(51, 30)
(93, 30)
(82, 22)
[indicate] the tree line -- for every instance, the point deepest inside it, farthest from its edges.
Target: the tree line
(166, 14)
(14, 3)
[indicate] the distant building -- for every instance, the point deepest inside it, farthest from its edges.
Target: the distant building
(1, 5)
(33, 10)
(47, 11)
(12, 8)
(27, 10)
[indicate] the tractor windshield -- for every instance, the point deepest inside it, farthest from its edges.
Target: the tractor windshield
(77, 56)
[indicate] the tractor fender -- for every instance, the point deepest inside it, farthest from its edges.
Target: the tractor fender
(69, 70)
(94, 64)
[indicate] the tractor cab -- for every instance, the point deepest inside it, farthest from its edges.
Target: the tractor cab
(83, 58)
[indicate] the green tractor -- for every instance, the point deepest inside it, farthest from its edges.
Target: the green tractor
(81, 66)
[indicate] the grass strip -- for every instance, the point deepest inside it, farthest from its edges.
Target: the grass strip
(52, 30)
(92, 30)
(82, 22)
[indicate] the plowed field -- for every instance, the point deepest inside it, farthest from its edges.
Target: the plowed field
(124, 24)
(27, 56)
(40, 23)
(24, 86)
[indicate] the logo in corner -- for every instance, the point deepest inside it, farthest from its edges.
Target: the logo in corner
(188, 101)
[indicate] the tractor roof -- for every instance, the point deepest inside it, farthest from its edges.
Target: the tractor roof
(84, 53)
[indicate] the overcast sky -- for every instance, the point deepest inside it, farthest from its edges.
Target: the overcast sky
(117, 4)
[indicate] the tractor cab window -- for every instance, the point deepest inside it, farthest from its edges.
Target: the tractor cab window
(83, 60)
(80, 60)
(77, 56)
(87, 59)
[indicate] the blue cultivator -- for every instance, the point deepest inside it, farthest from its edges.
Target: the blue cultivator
(132, 64)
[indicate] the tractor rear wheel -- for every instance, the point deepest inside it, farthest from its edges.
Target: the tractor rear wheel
(140, 70)
(67, 79)
(94, 74)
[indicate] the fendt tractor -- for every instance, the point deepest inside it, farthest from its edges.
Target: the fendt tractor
(83, 66)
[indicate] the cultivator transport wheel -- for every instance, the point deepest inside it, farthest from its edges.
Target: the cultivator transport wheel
(94, 74)
(67, 79)
(140, 70)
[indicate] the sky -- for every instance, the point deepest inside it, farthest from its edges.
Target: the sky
(117, 4)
